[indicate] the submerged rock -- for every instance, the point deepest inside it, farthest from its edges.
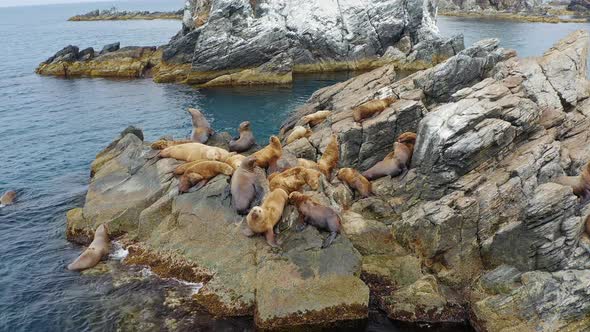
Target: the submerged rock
(475, 231)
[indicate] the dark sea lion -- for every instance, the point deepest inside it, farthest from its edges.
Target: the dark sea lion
(317, 215)
(8, 198)
(262, 219)
(355, 180)
(246, 140)
(99, 248)
(245, 186)
(201, 127)
(371, 108)
(397, 162)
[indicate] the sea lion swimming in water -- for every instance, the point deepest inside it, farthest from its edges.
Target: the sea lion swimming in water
(317, 215)
(262, 219)
(201, 127)
(246, 140)
(8, 198)
(396, 162)
(99, 248)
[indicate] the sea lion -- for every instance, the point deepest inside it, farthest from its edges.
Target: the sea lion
(235, 161)
(8, 198)
(262, 219)
(294, 179)
(355, 180)
(194, 152)
(307, 163)
(201, 127)
(330, 158)
(202, 172)
(317, 215)
(182, 168)
(316, 118)
(580, 184)
(245, 186)
(396, 162)
(162, 144)
(270, 153)
(99, 248)
(286, 161)
(370, 108)
(246, 140)
(297, 133)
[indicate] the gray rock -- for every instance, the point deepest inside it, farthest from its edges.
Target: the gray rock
(86, 54)
(110, 48)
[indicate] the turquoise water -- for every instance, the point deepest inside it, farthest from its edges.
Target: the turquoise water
(52, 128)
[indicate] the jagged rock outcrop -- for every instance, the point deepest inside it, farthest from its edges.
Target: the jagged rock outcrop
(244, 42)
(508, 5)
(114, 14)
(476, 231)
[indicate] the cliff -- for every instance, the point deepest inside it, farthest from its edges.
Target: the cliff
(236, 42)
(477, 231)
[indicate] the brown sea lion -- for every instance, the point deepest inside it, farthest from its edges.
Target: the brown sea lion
(294, 179)
(182, 168)
(297, 133)
(270, 153)
(307, 163)
(201, 127)
(245, 186)
(201, 173)
(396, 162)
(162, 144)
(316, 118)
(580, 184)
(262, 219)
(235, 161)
(370, 108)
(330, 158)
(8, 198)
(317, 215)
(355, 180)
(99, 248)
(246, 140)
(194, 152)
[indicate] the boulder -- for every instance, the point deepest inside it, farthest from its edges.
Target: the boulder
(110, 48)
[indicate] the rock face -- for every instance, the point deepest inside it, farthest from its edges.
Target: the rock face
(244, 42)
(579, 5)
(476, 231)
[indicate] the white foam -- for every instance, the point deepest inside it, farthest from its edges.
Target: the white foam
(119, 253)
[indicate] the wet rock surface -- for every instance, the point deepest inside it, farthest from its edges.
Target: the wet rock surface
(476, 231)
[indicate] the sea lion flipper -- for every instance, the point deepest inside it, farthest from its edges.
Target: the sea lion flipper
(270, 238)
(328, 241)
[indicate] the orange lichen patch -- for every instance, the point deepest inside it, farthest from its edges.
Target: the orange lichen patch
(328, 317)
(171, 72)
(214, 306)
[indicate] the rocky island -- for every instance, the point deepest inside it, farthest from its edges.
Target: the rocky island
(477, 231)
(518, 10)
(114, 14)
(239, 42)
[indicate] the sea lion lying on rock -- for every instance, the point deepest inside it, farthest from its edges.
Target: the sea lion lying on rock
(307, 163)
(370, 108)
(270, 153)
(194, 152)
(355, 180)
(330, 158)
(297, 133)
(580, 184)
(282, 164)
(8, 198)
(99, 248)
(201, 127)
(262, 219)
(245, 186)
(246, 140)
(235, 161)
(396, 162)
(316, 118)
(294, 179)
(201, 172)
(162, 144)
(317, 215)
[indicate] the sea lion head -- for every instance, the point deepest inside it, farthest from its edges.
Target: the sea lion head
(275, 143)
(407, 138)
(297, 198)
(102, 231)
(343, 173)
(244, 126)
(256, 213)
(249, 162)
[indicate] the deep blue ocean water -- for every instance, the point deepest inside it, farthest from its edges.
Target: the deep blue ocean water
(52, 128)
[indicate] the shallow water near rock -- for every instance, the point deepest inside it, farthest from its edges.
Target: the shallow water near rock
(52, 128)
